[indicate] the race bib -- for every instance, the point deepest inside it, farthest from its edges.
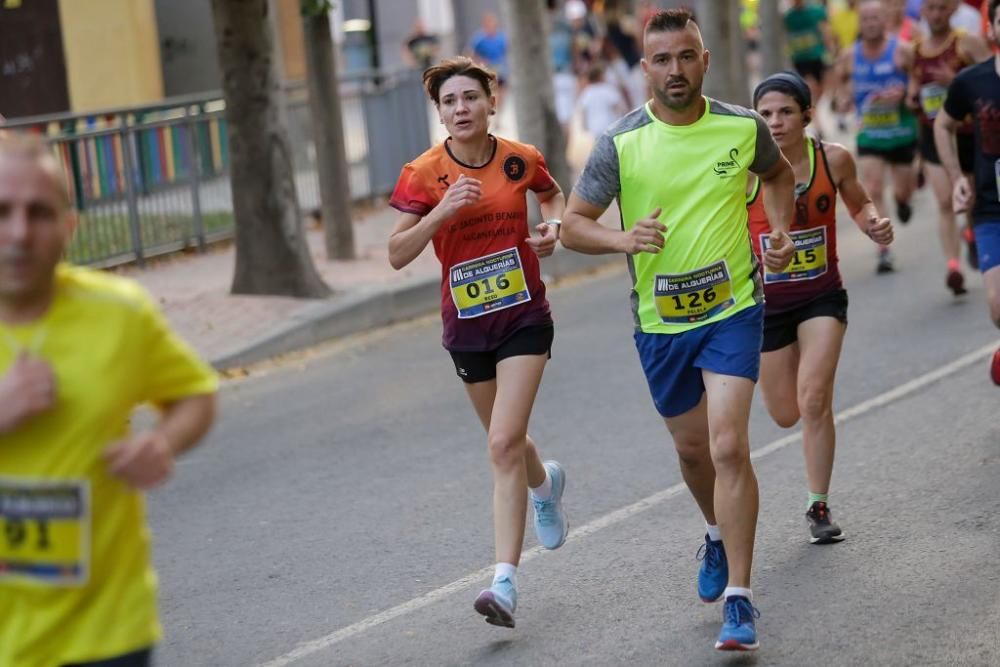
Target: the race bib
(488, 284)
(683, 298)
(880, 116)
(932, 98)
(803, 41)
(45, 531)
(809, 260)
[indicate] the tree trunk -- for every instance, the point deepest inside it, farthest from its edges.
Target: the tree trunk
(720, 28)
(328, 135)
(272, 256)
(531, 80)
(772, 38)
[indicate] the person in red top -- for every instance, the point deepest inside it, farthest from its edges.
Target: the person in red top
(937, 58)
(467, 196)
(805, 306)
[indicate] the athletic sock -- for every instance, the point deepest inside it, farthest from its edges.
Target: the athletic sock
(818, 498)
(544, 490)
(505, 570)
(714, 533)
(734, 591)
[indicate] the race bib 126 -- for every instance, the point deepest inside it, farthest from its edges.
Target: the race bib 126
(488, 284)
(45, 531)
(695, 296)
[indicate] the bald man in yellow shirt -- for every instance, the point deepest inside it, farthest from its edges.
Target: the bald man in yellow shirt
(79, 350)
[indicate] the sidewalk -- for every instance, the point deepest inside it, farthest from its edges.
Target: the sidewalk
(229, 330)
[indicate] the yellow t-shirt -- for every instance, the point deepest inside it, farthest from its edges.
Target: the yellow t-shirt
(76, 579)
(844, 23)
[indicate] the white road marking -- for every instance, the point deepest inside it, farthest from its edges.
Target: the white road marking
(622, 514)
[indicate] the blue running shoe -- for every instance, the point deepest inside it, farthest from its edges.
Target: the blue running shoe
(551, 524)
(739, 633)
(714, 572)
(498, 602)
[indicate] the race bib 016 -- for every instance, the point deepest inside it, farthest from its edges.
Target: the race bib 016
(695, 296)
(488, 284)
(45, 531)
(809, 260)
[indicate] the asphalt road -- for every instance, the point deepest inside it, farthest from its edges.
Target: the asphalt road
(340, 514)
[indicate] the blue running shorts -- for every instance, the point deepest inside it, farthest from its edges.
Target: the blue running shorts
(673, 362)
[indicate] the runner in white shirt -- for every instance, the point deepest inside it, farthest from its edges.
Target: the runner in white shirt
(601, 103)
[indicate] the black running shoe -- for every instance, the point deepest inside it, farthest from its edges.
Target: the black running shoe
(822, 526)
(885, 263)
(904, 211)
(955, 281)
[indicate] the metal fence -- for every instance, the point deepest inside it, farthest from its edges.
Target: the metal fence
(155, 179)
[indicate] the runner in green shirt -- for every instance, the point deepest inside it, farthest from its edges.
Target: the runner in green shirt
(678, 168)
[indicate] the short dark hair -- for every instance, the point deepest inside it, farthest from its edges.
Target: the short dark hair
(670, 20)
(994, 5)
(434, 77)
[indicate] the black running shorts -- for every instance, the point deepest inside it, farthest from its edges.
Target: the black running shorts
(782, 329)
(482, 366)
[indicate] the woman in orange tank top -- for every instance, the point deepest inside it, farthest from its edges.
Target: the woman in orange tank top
(805, 307)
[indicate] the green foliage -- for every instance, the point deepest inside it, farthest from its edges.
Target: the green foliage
(315, 7)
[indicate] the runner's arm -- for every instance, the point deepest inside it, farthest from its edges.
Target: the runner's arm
(553, 205)
(778, 183)
(186, 421)
(975, 47)
(845, 175)
(944, 140)
(582, 232)
(844, 94)
(413, 232)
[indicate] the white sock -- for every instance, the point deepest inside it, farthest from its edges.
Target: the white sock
(505, 570)
(544, 490)
(732, 591)
(714, 533)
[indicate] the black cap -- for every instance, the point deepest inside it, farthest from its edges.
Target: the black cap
(787, 82)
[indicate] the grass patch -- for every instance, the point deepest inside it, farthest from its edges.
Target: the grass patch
(102, 237)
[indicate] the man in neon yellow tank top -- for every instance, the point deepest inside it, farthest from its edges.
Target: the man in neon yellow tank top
(678, 168)
(78, 351)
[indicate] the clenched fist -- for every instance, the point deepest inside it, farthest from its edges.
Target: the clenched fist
(28, 389)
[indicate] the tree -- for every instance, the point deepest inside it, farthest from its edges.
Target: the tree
(328, 129)
(531, 80)
(772, 37)
(272, 256)
(727, 79)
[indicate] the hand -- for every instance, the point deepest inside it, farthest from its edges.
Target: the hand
(143, 461)
(545, 244)
(780, 251)
(464, 192)
(963, 195)
(28, 389)
(892, 95)
(646, 235)
(880, 230)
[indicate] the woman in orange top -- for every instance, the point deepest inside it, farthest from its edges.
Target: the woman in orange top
(467, 196)
(805, 307)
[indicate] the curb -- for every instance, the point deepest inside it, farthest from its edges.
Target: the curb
(374, 307)
(370, 308)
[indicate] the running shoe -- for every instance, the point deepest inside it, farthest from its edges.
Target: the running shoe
(885, 264)
(551, 524)
(739, 632)
(956, 282)
(995, 368)
(713, 575)
(970, 244)
(822, 528)
(498, 602)
(904, 211)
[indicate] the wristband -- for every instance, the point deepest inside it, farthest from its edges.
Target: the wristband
(554, 222)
